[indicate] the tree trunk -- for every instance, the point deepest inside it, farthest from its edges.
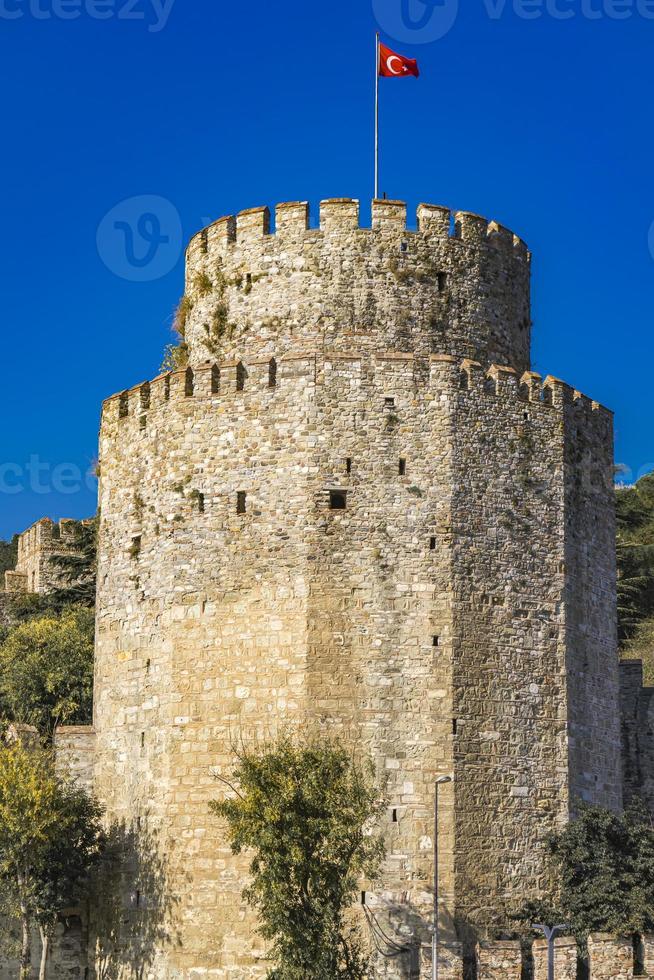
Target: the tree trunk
(45, 949)
(26, 949)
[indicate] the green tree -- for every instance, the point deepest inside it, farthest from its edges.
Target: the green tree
(603, 866)
(46, 670)
(635, 514)
(50, 839)
(8, 557)
(77, 568)
(307, 811)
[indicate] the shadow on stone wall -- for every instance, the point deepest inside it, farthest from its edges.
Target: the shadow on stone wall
(132, 906)
(398, 935)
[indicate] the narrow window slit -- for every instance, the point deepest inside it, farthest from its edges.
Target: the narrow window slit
(241, 502)
(337, 500)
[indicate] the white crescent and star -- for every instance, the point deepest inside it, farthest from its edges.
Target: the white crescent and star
(389, 64)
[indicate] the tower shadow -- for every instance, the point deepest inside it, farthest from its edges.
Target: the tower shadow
(132, 907)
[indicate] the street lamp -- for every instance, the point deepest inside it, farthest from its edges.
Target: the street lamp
(550, 934)
(434, 939)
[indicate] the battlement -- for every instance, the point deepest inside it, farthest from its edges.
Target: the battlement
(455, 282)
(342, 215)
(386, 370)
(34, 570)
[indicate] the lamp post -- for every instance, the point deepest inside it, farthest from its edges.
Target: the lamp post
(434, 940)
(550, 934)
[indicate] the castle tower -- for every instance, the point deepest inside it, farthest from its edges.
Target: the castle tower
(356, 508)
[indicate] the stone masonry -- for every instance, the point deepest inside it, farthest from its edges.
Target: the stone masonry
(357, 510)
(35, 571)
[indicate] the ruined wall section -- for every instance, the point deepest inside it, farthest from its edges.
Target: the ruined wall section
(458, 285)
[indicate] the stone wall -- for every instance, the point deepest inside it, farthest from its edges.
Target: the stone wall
(499, 961)
(637, 713)
(459, 285)
(67, 956)
(68, 950)
(75, 754)
(610, 958)
(35, 571)
(397, 571)
(565, 958)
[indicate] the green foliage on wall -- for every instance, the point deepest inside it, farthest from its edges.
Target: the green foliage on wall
(635, 510)
(306, 811)
(604, 871)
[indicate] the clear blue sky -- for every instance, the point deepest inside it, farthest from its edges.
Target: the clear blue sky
(542, 122)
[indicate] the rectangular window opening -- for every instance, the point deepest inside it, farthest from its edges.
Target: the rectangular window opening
(337, 500)
(442, 282)
(142, 740)
(394, 816)
(432, 544)
(241, 502)
(389, 402)
(402, 467)
(348, 465)
(436, 641)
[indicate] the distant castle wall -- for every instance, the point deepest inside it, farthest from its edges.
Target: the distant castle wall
(35, 571)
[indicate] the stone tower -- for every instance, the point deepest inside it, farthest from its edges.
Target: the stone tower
(357, 508)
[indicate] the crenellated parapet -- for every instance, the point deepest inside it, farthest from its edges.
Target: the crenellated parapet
(251, 378)
(457, 283)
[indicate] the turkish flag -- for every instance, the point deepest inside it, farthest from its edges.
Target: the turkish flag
(392, 65)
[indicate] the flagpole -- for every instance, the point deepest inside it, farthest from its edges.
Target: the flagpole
(377, 115)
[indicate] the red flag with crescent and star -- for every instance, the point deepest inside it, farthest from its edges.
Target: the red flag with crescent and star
(392, 65)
